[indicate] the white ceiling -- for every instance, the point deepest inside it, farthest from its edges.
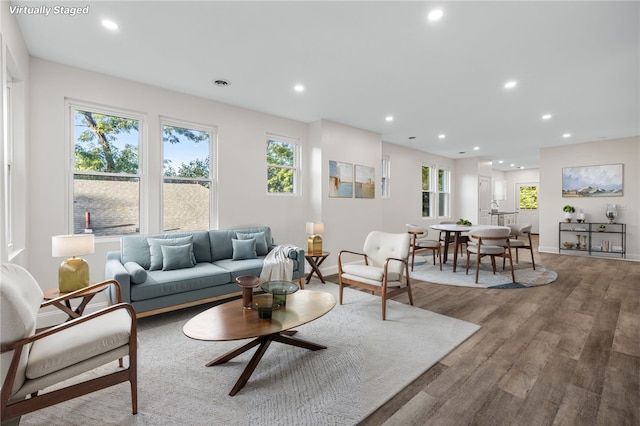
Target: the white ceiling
(361, 61)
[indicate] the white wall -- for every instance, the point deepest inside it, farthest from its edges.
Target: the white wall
(242, 196)
(552, 160)
(405, 185)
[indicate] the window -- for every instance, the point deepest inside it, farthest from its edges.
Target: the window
(443, 192)
(106, 172)
(8, 169)
(427, 192)
(187, 185)
(282, 165)
(528, 198)
(386, 167)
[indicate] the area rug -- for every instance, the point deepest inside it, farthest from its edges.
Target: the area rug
(367, 361)
(526, 276)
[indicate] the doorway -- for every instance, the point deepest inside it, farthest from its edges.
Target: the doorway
(527, 205)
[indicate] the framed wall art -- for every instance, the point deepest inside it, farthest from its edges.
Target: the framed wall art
(340, 180)
(365, 182)
(593, 181)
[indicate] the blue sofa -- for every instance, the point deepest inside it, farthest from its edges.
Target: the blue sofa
(163, 272)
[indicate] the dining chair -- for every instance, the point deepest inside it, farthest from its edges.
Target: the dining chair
(420, 241)
(462, 239)
(520, 238)
(490, 241)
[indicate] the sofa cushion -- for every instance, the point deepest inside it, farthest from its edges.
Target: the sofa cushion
(155, 249)
(136, 272)
(164, 283)
(244, 249)
(238, 268)
(261, 242)
(177, 257)
(220, 240)
(136, 249)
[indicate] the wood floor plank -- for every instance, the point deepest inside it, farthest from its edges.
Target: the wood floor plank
(620, 401)
(524, 373)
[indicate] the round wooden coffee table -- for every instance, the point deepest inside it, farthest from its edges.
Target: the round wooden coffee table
(230, 321)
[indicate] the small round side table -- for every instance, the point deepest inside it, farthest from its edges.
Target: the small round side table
(52, 293)
(248, 283)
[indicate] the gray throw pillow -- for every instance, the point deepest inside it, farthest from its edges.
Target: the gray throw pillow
(244, 249)
(262, 248)
(136, 272)
(177, 257)
(155, 245)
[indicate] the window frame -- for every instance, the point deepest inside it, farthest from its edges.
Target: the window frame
(297, 164)
(445, 190)
(212, 180)
(8, 166)
(429, 190)
(385, 176)
(70, 107)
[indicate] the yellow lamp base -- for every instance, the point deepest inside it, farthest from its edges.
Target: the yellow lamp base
(314, 245)
(73, 275)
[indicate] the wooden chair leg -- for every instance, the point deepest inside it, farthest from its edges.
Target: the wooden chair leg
(478, 257)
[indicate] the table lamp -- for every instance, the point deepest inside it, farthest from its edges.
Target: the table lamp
(73, 273)
(314, 241)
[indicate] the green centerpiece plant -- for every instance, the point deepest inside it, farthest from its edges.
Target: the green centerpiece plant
(568, 212)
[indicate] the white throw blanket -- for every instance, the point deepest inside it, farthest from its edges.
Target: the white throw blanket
(277, 264)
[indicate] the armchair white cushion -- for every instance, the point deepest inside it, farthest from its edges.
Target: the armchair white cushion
(385, 270)
(32, 362)
(489, 241)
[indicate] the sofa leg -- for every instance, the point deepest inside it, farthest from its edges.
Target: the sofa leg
(300, 282)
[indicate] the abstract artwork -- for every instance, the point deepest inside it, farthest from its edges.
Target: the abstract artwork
(592, 181)
(340, 180)
(365, 182)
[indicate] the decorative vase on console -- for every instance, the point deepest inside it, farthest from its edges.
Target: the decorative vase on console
(611, 212)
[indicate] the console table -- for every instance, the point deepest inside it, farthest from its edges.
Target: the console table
(593, 238)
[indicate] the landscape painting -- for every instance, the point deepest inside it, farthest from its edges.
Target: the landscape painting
(592, 181)
(365, 182)
(340, 180)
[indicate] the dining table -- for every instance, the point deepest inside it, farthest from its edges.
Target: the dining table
(456, 230)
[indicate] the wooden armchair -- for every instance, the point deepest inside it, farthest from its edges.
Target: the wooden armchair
(386, 261)
(33, 362)
(420, 241)
(522, 230)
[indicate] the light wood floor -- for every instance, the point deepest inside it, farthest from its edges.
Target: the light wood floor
(561, 354)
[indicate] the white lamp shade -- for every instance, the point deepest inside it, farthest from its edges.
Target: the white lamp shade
(315, 228)
(72, 245)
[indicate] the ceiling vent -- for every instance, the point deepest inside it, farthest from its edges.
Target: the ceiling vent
(220, 82)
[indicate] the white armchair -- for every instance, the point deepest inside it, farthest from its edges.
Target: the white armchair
(385, 270)
(33, 362)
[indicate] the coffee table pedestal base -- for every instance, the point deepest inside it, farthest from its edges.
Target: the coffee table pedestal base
(264, 342)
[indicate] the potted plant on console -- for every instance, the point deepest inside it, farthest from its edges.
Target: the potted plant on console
(568, 212)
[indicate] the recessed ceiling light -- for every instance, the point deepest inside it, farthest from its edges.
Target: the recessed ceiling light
(546, 116)
(109, 24)
(298, 88)
(475, 148)
(521, 167)
(501, 161)
(389, 118)
(512, 165)
(435, 15)
(566, 135)
(221, 82)
(510, 84)
(442, 136)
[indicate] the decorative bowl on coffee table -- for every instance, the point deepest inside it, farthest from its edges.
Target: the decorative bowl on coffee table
(280, 290)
